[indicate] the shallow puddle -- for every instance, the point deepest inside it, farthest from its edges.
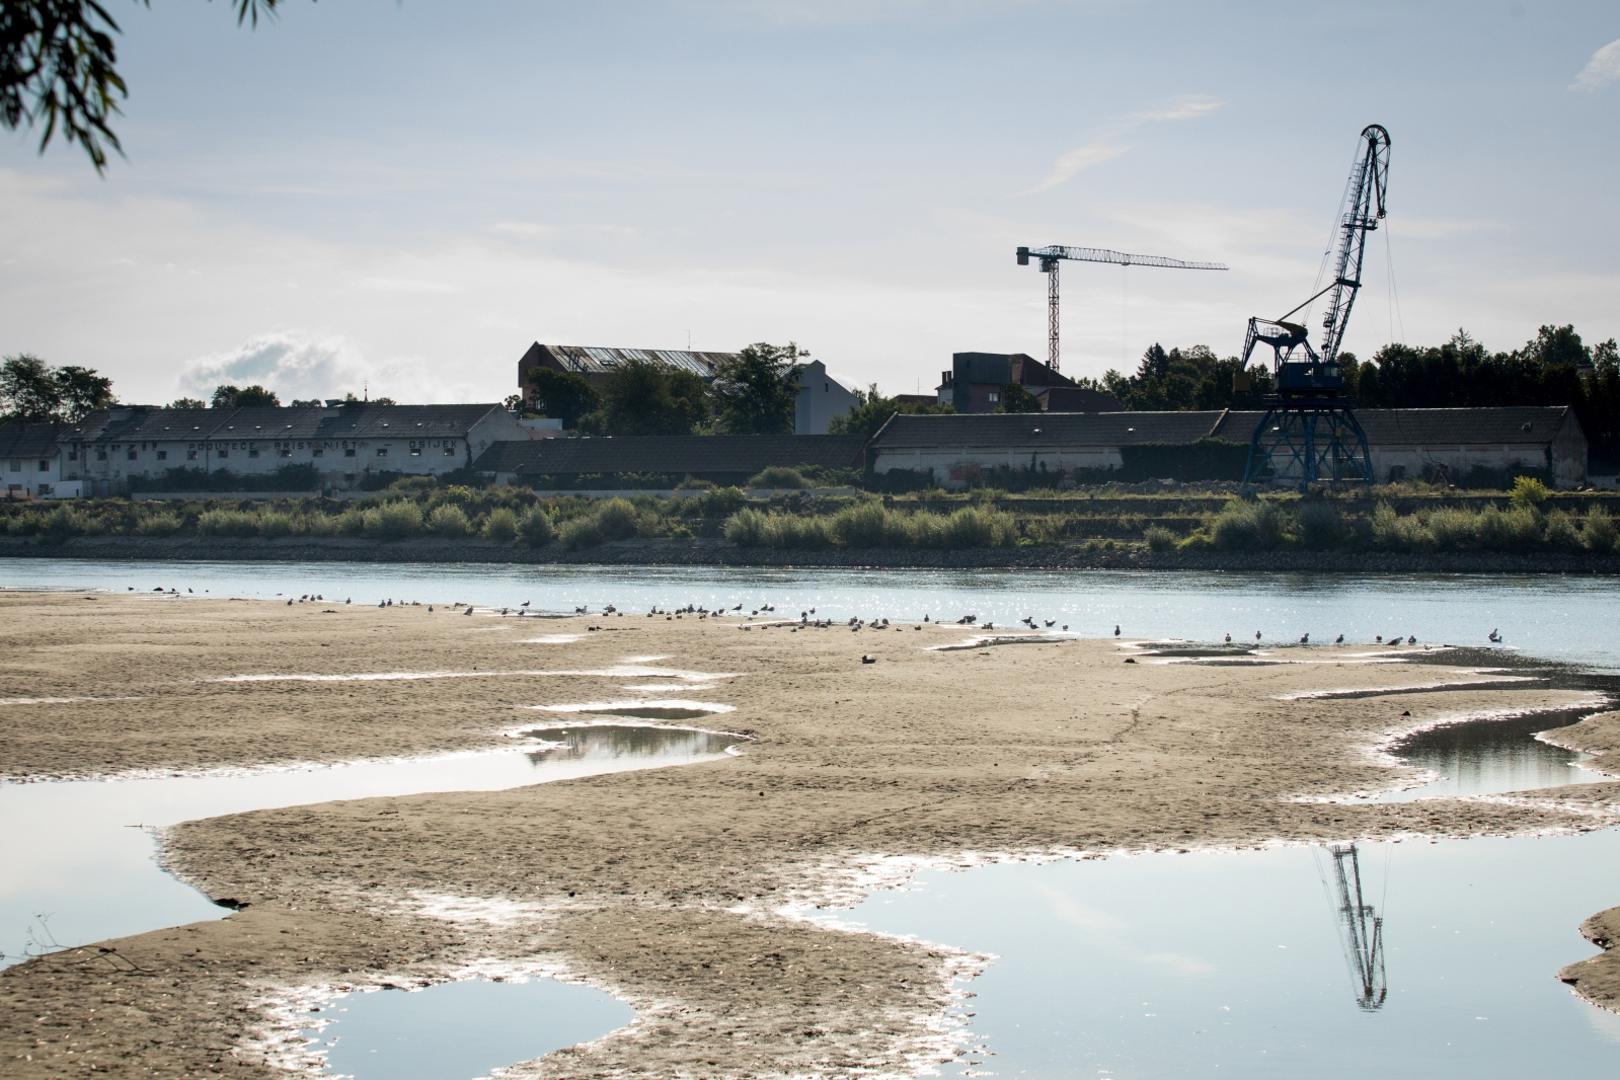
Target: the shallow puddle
(79, 857)
(1487, 757)
(461, 1030)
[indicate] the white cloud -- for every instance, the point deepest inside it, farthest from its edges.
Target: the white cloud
(291, 364)
(1106, 144)
(1601, 70)
(1073, 162)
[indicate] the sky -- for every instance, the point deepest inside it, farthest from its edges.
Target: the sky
(398, 196)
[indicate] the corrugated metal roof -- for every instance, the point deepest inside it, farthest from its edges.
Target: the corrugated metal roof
(25, 439)
(1034, 430)
(353, 420)
(597, 359)
(1505, 426)
(697, 454)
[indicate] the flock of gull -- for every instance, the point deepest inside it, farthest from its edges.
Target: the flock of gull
(807, 619)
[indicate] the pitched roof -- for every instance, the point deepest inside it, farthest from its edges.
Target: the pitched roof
(1034, 430)
(696, 454)
(351, 420)
(599, 360)
(29, 438)
(1498, 426)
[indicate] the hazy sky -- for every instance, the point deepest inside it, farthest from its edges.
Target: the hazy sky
(405, 194)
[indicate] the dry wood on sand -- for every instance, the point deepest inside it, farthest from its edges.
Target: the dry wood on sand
(667, 887)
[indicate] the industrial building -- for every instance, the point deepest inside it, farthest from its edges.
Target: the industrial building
(956, 451)
(821, 399)
(975, 382)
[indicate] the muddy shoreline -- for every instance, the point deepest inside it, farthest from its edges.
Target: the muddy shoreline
(713, 552)
(669, 888)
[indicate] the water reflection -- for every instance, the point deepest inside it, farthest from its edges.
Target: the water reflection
(1362, 928)
(79, 857)
(1494, 755)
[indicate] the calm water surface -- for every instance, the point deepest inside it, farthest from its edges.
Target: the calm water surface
(1568, 618)
(79, 858)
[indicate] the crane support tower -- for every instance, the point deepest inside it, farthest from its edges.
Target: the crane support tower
(1049, 258)
(1309, 432)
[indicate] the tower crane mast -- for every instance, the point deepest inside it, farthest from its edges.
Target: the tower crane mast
(1052, 254)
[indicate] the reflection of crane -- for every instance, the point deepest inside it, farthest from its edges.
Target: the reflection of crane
(1309, 431)
(1049, 257)
(1363, 929)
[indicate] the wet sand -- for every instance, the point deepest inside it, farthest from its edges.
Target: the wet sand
(675, 889)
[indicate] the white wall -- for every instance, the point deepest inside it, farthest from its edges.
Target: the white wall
(23, 476)
(822, 399)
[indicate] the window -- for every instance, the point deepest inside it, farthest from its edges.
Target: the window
(286, 452)
(319, 451)
(16, 465)
(382, 451)
(44, 465)
(101, 455)
(191, 455)
(449, 451)
(130, 453)
(73, 455)
(163, 455)
(348, 451)
(254, 452)
(416, 451)
(224, 453)
(994, 395)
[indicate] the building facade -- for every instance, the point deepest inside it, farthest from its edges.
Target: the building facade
(30, 459)
(822, 399)
(974, 383)
(344, 442)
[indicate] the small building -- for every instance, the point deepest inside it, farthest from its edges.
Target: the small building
(975, 381)
(661, 461)
(822, 399)
(595, 363)
(344, 442)
(30, 458)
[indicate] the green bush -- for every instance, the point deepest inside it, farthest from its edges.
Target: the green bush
(392, 520)
(746, 528)
(1598, 532)
(536, 528)
(615, 519)
(222, 521)
(720, 502)
(1159, 538)
(979, 526)
(794, 532)
(163, 523)
(1513, 529)
(1321, 526)
(1559, 531)
(316, 523)
(1528, 491)
(1247, 525)
(869, 525)
(778, 476)
(501, 524)
(352, 522)
(449, 521)
(277, 523)
(1453, 529)
(1393, 532)
(581, 532)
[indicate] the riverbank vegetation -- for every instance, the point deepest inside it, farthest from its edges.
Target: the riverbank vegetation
(1408, 518)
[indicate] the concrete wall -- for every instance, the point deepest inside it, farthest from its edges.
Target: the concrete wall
(822, 399)
(954, 468)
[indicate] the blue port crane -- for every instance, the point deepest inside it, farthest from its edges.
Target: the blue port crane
(1309, 432)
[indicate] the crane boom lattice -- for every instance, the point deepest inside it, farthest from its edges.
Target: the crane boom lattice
(1049, 257)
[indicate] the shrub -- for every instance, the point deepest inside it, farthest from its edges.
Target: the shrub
(352, 522)
(1247, 524)
(449, 521)
(319, 524)
(159, 524)
(392, 520)
(792, 531)
(501, 525)
(1559, 530)
(276, 523)
(1392, 532)
(869, 524)
(720, 502)
(535, 527)
(1453, 529)
(407, 484)
(579, 533)
(221, 521)
(1598, 531)
(1321, 526)
(1528, 491)
(694, 483)
(978, 526)
(746, 528)
(778, 476)
(1159, 538)
(1513, 529)
(615, 519)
